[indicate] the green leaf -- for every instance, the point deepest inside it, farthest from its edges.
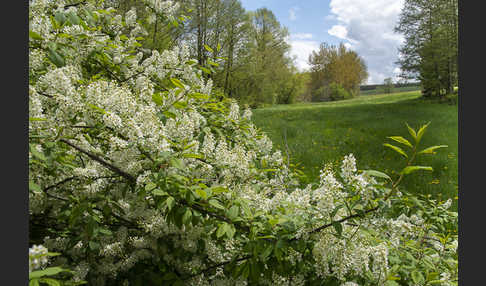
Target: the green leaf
(244, 270)
(54, 23)
(431, 150)
(170, 114)
(105, 231)
(213, 63)
(93, 245)
(218, 47)
(338, 227)
(208, 48)
(402, 140)
(233, 212)
(187, 216)
(150, 186)
(230, 231)
(34, 282)
(334, 212)
(169, 276)
(99, 109)
(201, 193)
(34, 187)
(36, 153)
(391, 283)
(60, 17)
(417, 277)
(46, 272)
(195, 156)
(199, 95)
(375, 173)
(221, 230)
(180, 104)
(34, 35)
(216, 204)
(158, 99)
(36, 119)
(410, 169)
(266, 236)
(268, 250)
(159, 192)
(412, 132)
(421, 132)
(73, 18)
(218, 190)
(177, 163)
(397, 149)
(50, 281)
(177, 83)
(55, 57)
(170, 202)
(205, 70)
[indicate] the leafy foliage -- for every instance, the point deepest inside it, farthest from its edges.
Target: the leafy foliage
(430, 50)
(333, 69)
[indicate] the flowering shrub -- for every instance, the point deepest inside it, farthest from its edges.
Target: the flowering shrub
(139, 175)
(39, 274)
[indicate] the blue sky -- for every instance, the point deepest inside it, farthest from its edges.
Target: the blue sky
(365, 26)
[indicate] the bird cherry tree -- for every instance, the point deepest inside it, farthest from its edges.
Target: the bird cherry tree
(139, 174)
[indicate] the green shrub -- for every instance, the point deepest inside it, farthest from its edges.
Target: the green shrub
(452, 98)
(337, 92)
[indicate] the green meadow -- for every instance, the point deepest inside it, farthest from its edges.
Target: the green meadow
(317, 133)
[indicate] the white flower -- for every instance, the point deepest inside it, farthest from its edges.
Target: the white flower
(349, 283)
(37, 257)
(447, 204)
(131, 17)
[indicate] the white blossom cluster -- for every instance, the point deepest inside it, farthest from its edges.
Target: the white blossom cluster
(168, 8)
(37, 257)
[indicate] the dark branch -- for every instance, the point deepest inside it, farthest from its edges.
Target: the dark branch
(132, 76)
(59, 183)
(74, 4)
(218, 265)
(102, 162)
(45, 94)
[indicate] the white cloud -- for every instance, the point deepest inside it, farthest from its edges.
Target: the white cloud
(301, 47)
(338, 31)
(301, 36)
(348, 46)
(293, 13)
(368, 26)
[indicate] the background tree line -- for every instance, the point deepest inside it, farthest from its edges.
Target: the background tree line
(247, 55)
(429, 53)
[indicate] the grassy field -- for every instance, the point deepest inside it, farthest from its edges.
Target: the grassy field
(317, 133)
